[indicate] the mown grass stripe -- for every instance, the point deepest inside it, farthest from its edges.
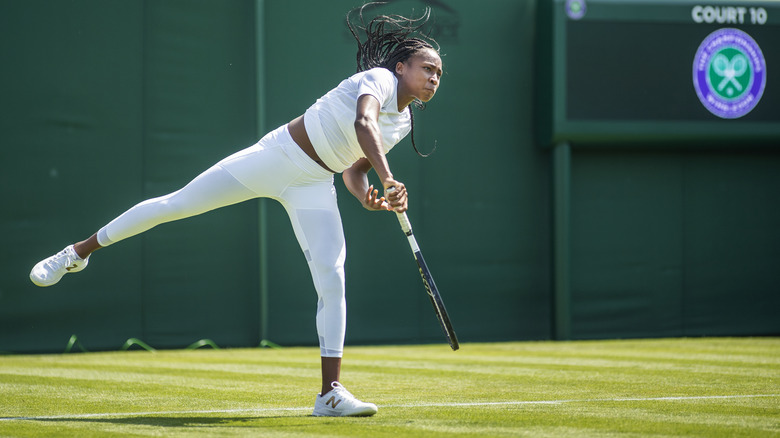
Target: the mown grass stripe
(409, 405)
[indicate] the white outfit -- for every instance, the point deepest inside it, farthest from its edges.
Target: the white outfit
(277, 168)
(330, 122)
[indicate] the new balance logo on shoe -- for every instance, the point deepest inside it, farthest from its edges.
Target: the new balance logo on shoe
(340, 403)
(70, 268)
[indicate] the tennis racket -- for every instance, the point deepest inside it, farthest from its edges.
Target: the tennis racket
(430, 286)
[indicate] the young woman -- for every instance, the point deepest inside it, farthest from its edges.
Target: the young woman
(349, 130)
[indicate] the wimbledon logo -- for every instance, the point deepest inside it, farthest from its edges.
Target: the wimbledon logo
(576, 9)
(729, 73)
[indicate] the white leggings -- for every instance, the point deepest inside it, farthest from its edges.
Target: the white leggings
(274, 168)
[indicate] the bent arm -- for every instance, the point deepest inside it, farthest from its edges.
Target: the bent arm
(370, 139)
(356, 180)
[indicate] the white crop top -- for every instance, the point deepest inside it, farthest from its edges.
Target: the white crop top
(330, 122)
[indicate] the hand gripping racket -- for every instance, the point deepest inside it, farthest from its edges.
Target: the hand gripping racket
(427, 279)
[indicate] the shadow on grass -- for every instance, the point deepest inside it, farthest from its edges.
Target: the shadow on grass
(186, 421)
(194, 422)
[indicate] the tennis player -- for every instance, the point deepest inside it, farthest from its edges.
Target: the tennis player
(348, 130)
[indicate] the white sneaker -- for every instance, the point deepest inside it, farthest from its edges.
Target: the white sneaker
(340, 403)
(49, 271)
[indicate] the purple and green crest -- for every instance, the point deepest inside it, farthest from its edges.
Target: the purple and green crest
(729, 73)
(575, 9)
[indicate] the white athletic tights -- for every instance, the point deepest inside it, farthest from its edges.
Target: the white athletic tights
(274, 168)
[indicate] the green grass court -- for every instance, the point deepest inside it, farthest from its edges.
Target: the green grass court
(632, 388)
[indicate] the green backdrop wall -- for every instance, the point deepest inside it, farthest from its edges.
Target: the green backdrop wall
(674, 243)
(107, 103)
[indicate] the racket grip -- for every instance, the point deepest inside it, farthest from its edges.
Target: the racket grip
(403, 219)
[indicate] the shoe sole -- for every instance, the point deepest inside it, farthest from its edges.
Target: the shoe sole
(41, 284)
(367, 412)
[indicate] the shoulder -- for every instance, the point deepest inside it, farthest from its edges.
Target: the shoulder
(378, 75)
(378, 82)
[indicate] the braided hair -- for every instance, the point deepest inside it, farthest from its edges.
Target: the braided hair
(389, 41)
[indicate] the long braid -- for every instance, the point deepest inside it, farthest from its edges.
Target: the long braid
(388, 42)
(411, 115)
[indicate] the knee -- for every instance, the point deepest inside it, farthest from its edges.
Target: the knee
(171, 208)
(327, 259)
(329, 276)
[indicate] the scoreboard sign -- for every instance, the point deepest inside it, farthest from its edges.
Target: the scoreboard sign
(646, 71)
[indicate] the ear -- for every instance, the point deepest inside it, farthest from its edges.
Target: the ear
(399, 68)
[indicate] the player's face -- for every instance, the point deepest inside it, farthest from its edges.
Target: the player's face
(419, 76)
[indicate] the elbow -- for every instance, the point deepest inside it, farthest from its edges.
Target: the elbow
(365, 124)
(361, 124)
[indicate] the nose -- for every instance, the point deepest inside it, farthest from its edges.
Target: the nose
(435, 79)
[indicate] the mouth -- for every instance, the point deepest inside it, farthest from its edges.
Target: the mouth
(427, 95)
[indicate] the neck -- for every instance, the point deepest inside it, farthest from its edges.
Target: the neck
(403, 103)
(403, 98)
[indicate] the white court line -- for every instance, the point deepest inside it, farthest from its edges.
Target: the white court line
(589, 400)
(414, 405)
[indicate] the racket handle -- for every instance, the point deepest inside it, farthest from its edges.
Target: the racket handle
(403, 219)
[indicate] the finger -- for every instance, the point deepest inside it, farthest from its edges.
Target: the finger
(371, 195)
(402, 205)
(396, 194)
(394, 188)
(400, 198)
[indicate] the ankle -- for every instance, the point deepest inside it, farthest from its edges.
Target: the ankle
(80, 251)
(86, 247)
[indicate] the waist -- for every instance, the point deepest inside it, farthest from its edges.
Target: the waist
(301, 138)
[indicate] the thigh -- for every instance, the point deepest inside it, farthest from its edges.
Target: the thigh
(264, 168)
(210, 190)
(316, 220)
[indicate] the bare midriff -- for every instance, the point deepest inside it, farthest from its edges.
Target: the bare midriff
(301, 138)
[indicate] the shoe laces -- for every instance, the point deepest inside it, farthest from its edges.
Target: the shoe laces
(60, 260)
(338, 388)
